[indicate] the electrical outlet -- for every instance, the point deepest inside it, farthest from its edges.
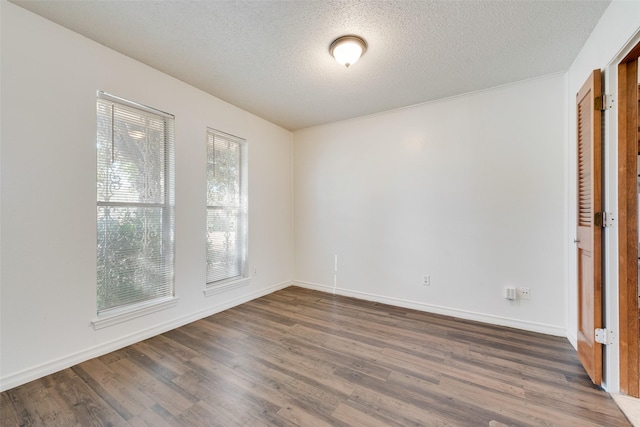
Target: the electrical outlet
(524, 293)
(426, 280)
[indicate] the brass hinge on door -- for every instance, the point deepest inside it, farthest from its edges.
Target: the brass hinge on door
(603, 102)
(603, 219)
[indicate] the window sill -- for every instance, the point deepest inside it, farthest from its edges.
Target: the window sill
(122, 315)
(226, 286)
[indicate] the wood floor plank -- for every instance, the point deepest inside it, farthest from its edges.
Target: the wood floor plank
(83, 403)
(378, 333)
(302, 366)
(205, 391)
(430, 401)
(202, 414)
(300, 417)
(149, 418)
(518, 375)
(398, 411)
(124, 399)
(165, 362)
(299, 357)
(18, 409)
(341, 355)
(526, 411)
(38, 406)
(304, 390)
(234, 382)
(356, 418)
(9, 413)
(168, 395)
(168, 347)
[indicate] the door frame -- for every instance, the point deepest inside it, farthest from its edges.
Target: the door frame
(627, 145)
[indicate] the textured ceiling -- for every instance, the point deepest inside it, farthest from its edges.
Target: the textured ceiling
(271, 57)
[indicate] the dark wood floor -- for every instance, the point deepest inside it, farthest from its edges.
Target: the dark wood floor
(305, 358)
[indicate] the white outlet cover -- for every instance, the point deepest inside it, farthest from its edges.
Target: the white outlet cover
(524, 293)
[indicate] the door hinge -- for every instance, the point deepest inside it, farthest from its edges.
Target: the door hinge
(603, 102)
(604, 336)
(603, 219)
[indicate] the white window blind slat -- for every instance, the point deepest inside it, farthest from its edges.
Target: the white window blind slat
(135, 204)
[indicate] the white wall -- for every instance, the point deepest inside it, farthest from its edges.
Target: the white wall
(470, 190)
(616, 30)
(49, 79)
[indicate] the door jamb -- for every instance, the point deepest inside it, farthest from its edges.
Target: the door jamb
(628, 222)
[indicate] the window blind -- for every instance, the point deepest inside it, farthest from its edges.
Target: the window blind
(135, 203)
(226, 207)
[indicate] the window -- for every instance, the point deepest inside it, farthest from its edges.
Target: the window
(135, 205)
(226, 208)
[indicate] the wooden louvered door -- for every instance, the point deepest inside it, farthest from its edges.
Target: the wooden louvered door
(589, 235)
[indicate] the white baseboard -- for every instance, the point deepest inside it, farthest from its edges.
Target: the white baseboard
(40, 371)
(436, 309)
(573, 339)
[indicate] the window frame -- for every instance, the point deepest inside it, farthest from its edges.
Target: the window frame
(119, 313)
(242, 217)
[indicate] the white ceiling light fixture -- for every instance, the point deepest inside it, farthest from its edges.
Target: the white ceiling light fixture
(348, 49)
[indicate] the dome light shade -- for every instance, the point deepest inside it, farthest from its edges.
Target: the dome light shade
(348, 49)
